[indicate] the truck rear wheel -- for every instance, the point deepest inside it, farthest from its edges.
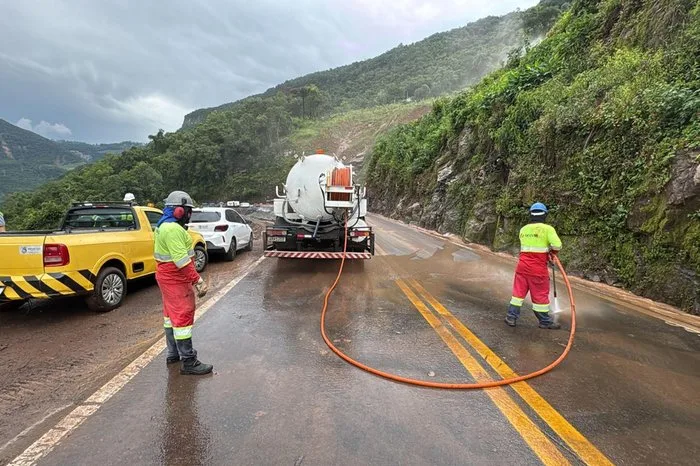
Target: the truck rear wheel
(109, 292)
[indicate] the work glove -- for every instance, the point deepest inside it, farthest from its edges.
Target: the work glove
(201, 287)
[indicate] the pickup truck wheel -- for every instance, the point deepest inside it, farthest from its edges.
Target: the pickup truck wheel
(231, 253)
(249, 246)
(200, 258)
(109, 292)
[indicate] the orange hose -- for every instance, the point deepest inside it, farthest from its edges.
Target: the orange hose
(425, 383)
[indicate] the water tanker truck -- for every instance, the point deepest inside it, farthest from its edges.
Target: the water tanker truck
(317, 200)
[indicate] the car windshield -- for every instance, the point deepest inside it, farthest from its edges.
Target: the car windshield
(204, 217)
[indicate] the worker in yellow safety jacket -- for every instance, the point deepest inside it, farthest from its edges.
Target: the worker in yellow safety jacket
(537, 242)
(176, 275)
(2, 222)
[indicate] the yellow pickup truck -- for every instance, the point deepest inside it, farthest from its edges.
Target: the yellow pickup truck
(97, 249)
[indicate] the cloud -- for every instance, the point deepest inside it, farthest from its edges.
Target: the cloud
(122, 70)
(46, 129)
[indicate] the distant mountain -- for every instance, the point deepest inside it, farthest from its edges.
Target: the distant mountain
(95, 152)
(28, 160)
(442, 63)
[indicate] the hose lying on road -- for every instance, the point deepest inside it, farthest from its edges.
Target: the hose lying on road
(425, 383)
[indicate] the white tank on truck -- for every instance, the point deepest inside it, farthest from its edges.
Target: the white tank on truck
(311, 213)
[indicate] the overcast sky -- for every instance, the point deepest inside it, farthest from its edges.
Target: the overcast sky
(108, 71)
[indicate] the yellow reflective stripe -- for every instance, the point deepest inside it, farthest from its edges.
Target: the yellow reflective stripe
(182, 333)
(517, 301)
(540, 307)
(555, 248)
(533, 249)
(182, 262)
(167, 323)
(162, 257)
(190, 253)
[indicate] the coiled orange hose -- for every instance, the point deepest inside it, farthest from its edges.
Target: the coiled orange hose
(425, 383)
(341, 176)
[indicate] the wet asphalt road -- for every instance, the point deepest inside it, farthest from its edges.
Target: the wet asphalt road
(628, 393)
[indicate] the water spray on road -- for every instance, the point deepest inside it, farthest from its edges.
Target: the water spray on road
(446, 385)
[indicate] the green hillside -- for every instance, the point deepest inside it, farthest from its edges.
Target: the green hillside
(27, 159)
(244, 150)
(440, 64)
(95, 152)
(599, 121)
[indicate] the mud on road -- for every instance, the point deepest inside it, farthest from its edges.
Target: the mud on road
(57, 352)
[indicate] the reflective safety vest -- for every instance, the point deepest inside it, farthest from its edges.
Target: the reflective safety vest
(173, 244)
(536, 241)
(125, 218)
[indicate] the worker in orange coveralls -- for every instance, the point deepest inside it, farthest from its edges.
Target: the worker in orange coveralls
(537, 242)
(176, 275)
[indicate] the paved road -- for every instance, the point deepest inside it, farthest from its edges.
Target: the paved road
(423, 308)
(56, 353)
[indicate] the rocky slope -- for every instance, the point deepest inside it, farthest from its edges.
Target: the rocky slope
(599, 121)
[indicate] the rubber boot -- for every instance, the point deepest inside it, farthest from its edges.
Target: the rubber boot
(513, 314)
(190, 364)
(546, 321)
(172, 355)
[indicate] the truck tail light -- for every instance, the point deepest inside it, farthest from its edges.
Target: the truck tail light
(273, 232)
(56, 255)
(357, 233)
(221, 228)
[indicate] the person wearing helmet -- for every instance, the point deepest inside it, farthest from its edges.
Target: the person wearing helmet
(537, 242)
(176, 275)
(129, 197)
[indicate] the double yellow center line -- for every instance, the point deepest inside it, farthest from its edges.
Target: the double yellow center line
(536, 439)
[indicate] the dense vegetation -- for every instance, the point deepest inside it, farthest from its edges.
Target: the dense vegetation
(600, 121)
(231, 155)
(244, 150)
(239, 154)
(27, 160)
(442, 63)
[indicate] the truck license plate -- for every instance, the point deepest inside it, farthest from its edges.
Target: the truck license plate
(278, 239)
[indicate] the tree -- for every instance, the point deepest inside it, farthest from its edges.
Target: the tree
(421, 92)
(160, 144)
(306, 92)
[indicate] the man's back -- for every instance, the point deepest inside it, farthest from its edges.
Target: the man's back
(536, 241)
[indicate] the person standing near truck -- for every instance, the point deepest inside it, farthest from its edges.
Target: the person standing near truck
(537, 242)
(176, 275)
(2, 222)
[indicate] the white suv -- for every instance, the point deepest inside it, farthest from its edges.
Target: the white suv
(224, 230)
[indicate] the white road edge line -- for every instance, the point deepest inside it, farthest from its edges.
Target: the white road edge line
(68, 424)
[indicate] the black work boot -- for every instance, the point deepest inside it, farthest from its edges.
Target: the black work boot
(546, 321)
(172, 355)
(513, 314)
(190, 364)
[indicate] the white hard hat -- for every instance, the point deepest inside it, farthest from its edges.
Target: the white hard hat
(128, 197)
(177, 198)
